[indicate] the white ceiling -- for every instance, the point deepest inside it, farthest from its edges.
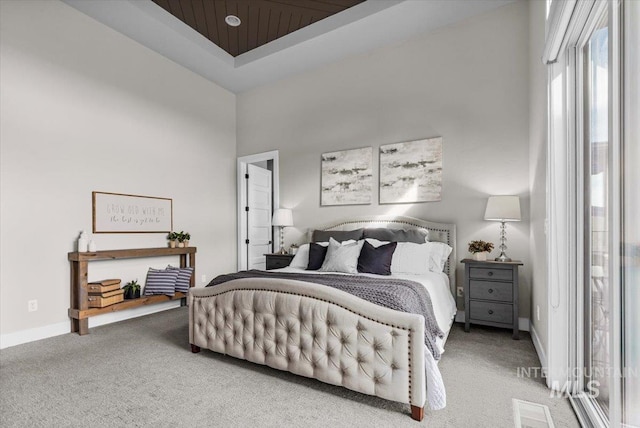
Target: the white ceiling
(362, 28)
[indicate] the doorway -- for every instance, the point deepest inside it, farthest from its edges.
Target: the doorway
(257, 196)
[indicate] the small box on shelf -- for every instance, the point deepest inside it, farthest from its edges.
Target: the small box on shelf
(104, 286)
(96, 301)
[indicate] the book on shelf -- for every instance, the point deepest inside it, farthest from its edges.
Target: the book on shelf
(107, 293)
(97, 287)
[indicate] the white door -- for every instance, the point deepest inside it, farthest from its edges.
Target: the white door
(258, 216)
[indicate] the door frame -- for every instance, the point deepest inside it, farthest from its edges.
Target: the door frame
(241, 199)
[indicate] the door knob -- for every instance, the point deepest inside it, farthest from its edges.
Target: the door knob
(490, 311)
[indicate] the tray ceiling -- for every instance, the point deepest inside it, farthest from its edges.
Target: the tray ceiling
(356, 30)
(262, 21)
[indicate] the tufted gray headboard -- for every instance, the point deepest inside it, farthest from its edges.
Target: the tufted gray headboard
(438, 232)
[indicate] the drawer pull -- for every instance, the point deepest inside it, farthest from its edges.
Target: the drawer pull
(490, 311)
(490, 273)
(490, 290)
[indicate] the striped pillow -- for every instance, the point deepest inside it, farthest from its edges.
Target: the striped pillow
(161, 282)
(183, 283)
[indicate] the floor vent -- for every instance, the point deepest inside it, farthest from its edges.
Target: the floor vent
(531, 415)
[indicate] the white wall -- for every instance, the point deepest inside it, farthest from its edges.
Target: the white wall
(84, 108)
(467, 83)
(537, 173)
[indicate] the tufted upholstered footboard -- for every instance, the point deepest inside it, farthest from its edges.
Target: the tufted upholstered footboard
(314, 331)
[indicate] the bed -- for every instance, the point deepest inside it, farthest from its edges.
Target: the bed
(282, 320)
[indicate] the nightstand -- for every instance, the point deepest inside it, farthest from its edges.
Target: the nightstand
(277, 261)
(491, 294)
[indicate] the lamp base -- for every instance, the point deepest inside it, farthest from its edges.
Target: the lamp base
(503, 244)
(503, 258)
(282, 249)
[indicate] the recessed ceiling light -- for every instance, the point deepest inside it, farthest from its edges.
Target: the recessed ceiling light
(232, 20)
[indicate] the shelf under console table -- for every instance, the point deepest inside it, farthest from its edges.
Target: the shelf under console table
(80, 312)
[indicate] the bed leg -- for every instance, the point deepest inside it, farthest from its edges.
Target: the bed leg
(417, 413)
(195, 348)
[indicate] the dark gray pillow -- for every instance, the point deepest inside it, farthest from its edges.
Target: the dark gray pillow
(338, 235)
(376, 260)
(317, 253)
(397, 235)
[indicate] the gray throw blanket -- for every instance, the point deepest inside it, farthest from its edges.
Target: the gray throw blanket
(399, 294)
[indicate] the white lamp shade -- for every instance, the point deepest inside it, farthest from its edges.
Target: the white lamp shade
(503, 208)
(282, 217)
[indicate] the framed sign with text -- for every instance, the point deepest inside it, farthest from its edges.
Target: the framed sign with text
(120, 213)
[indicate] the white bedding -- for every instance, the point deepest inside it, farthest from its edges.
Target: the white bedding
(444, 308)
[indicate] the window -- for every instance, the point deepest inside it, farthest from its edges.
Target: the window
(593, 208)
(597, 175)
(630, 215)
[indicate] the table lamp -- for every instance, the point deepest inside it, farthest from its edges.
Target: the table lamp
(503, 209)
(282, 218)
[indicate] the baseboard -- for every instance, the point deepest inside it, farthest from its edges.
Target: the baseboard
(537, 344)
(31, 335)
(523, 323)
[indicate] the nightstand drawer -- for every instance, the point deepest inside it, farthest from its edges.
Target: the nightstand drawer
(489, 290)
(494, 312)
(490, 273)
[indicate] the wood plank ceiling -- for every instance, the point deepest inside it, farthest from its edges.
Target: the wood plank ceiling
(262, 20)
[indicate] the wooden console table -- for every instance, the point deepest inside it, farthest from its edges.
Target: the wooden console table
(79, 312)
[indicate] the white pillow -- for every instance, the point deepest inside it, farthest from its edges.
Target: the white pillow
(411, 258)
(438, 255)
(420, 258)
(301, 258)
(342, 257)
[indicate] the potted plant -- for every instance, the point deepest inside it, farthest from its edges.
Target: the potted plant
(132, 290)
(479, 249)
(183, 239)
(172, 237)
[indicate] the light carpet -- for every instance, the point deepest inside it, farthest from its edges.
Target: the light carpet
(140, 373)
